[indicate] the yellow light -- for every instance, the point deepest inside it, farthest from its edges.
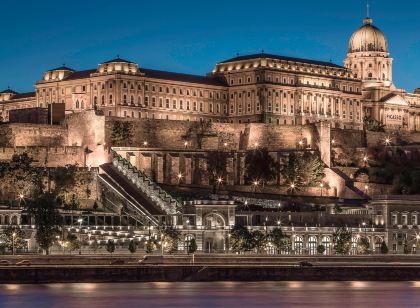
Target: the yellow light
(321, 185)
(145, 143)
(219, 180)
(292, 185)
(225, 144)
(179, 175)
(300, 142)
(256, 144)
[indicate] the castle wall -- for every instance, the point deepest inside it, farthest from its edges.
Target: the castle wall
(17, 135)
(172, 135)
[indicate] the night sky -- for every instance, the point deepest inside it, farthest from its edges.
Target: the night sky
(192, 36)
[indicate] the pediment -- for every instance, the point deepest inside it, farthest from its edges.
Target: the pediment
(394, 99)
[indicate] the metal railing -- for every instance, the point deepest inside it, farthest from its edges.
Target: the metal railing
(160, 197)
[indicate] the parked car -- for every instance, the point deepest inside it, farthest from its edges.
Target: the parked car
(117, 262)
(151, 260)
(5, 262)
(305, 264)
(24, 262)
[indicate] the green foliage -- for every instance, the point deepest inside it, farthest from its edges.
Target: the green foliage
(258, 240)
(150, 246)
(48, 221)
(384, 248)
(73, 242)
(280, 240)
(342, 241)
(95, 246)
(132, 247)
(240, 239)
(192, 246)
(303, 170)
(216, 166)
(362, 246)
(320, 249)
(19, 176)
(8, 241)
(110, 246)
(373, 125)
(170, 238)
(260, 166)
(122, 133)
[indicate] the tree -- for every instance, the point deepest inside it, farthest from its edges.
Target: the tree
(280, 240)
(150, 246)
(192, 246)
(342, 241)
(258, 240)
(13, 238)
(110, 246)
(362, 246)
(373, 125)
(95, 246)
(303, 170)
(132, 247)
(73, 242)
(384, 248)
(170, 238)
(240, 239)
(216, 166)
(320, 249)
(64, 179)
(19, 176)
(48, 221)
(122, 133)
(260, 166)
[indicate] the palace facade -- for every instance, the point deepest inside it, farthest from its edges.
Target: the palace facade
(253, 88)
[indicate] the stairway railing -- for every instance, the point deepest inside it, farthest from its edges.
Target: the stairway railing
(159, 196)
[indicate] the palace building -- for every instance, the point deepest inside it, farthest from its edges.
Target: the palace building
(253, 88)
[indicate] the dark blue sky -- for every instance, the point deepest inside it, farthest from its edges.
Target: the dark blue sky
(191, 36)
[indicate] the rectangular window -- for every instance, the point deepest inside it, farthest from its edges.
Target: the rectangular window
(414, 219)
(181, 104)
(167, 103)
(160, 102)
(404, 219)
(394, 219)
(174, 104)
(188, 105)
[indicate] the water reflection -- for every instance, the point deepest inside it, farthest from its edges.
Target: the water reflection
(213, 294)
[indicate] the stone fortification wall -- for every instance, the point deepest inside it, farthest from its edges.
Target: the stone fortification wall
(49, 156)
(15, 135)
(172, 135)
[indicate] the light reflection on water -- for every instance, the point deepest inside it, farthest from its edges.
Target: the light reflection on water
(213, 294)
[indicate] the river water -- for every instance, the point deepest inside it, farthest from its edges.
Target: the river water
(213, 294)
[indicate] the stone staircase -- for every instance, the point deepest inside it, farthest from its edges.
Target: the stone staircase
(350, 184)
(137, 186)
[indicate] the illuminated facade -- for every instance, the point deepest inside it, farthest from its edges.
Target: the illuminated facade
(253, 88)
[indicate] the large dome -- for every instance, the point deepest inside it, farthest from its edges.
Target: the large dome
(368, 38)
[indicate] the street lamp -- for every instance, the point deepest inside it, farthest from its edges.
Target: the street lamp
(179, 176)
(21, 198)
(300, 143)
(219, 182)
(365, 160)
(333, 141)
(13, 242)
(387, 141)
(186, 144)
(80, 220)
(145, 143)
(255, 184)
(225, 144)
(321, 186)
(256, 144)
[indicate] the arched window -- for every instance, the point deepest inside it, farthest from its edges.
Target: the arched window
(82, 105)
(326, 242)
(125, 99)
(139, 101)
(132, 100)
(298, 245)
(77, 104)
(110, 99)
(312, 245)
(103, 100)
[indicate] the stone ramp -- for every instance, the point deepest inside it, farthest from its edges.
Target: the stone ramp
(123, 186)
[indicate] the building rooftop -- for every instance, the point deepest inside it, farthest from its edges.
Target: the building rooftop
(182, 77)
(158, 75)
(24, 95)
(284, 58)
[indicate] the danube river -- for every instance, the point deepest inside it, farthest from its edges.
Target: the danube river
(213, 294)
